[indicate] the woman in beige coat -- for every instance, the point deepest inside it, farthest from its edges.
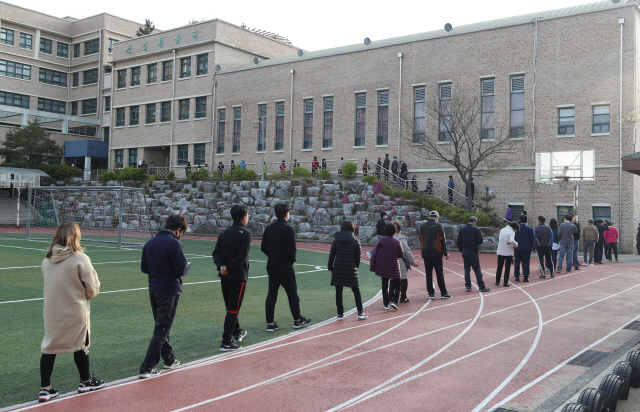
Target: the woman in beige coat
(407, 258)
(69, 283)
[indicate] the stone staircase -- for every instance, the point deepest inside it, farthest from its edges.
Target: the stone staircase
(8, 212)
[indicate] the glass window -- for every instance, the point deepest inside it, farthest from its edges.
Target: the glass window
(83, 130)
(135, 76)
(118, 157)
(63, 50)
(133, 157)
(602, 212)
(76, 51)
(307, 142)
(14, 99)
(46, 46)
(134, 115)
(53, 106)
(74, 108)
(198, 154)
(167, 70)
(151, 113)
(221, 130)
(488, 109)
(184, 109)
(89, 106)
(185, 67)
(183, 154)
(91, 46)
(53, 77)
(237, 126)
(107, 103)
(262, 127)
(517, 107)
(120, 116)
(122, 79)
(152, 73)
(383, 118)
(166, 112)
(419, 100)
(6, 36)
(105, 134)
(566, 121)
(562, 211)
(13, 69)
(203, 64)
(90, 76)
(75, 78)
(111, 43)
(279, 144)
(361, 113)
(201, 107)
(327, 131)
(107, 69)
(26, 41)
(445, 113)
(600, 119)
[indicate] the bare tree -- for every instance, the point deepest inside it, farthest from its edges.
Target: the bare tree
(632, 118)
(460, 129)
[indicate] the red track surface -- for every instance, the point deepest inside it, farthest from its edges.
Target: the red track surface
(465, 354)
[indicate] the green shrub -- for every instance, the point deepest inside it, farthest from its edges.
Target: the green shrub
(323, 174)
(107, 176)
(301, 172)
(370, 179)
(60, 172)
(129, 173)
(281, 175)
(241, 174)
(151, 179)
(349, 170)
(171, 176)
(202, 174)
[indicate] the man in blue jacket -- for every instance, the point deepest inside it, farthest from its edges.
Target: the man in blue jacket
(469, 238)
(163, 260)
(522, 253)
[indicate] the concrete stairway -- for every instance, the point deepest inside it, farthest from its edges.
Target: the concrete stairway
(8, 212)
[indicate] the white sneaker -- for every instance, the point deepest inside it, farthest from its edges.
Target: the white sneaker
(369, 254)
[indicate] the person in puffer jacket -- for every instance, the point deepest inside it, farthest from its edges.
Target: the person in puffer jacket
(385, 262)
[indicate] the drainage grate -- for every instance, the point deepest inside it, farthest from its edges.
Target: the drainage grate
(635, 325)
(589, 358)
(504, 410)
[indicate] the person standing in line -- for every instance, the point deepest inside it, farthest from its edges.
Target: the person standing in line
(506, 243)
(340, 165)
(385, 262)
(231, 257)
(163, 260)
(365, 167)
(404, 180)
(429, 187)
(344, 261)
(576, 241)
(509, 215)
(450, 186)
(295, 163)
(433, 244)
(324, 164)
(403, 167)
(522, 253)
(553, 224)
(601, 241)
(279, 244)
(283, 166)
(638, 240)
(220, 169)
(589, 239)
(232, 167)
(469, 194)
(414, 184)
(385, 166)
(565, 236)
(544, 241)
(394, 167)
(315, 165)
(378, 168)
(469, 238)
(381, 223)
(69, 283)
(243, 164)
(406, 262)
(187, 169)
(611, 240)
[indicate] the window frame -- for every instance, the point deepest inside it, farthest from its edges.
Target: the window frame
(184, 107)
(17, 67)
(183, 155)
(418, 137)
(237, 129)
(133, 157)
(167, 71)
(23, 41)
(76, 51)
(91, 47)
(135, 76)
(327, 142)
(58, 104)
(262, 128)
(91, 79)
(566, 127)
(185, 67)
(152, 68)
(23, 98)
(64, 47)
(165, 112)
(593, 119)
(107, 104)
(443, 106)
(487, 133)
(150, 117)
(52, 77)
(201, 107)
(90, 106)
(134, 115)
(512, 111)
(75, 79)
(120, 116)
(383, 139)
(118, 155)
(600, 215)
(221, 130)
(4, 36)
(199, 154)
(279, 135)
(121, 79)
(46, 44)
(202, 64)
(307, 137)
(360, 109)
(74, 108)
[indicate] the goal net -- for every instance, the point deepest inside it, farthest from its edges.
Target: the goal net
(118, 215)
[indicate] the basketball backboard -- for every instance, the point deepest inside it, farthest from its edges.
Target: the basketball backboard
(554, 166)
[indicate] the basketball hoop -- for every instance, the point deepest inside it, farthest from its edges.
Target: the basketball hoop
(566, 178)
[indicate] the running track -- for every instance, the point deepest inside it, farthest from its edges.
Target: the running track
(474, 352)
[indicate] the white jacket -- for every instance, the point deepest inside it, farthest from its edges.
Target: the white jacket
(506, 241)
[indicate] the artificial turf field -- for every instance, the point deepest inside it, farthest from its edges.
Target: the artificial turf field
(121, 319)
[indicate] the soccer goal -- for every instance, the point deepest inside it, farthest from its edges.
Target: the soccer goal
(118, 215)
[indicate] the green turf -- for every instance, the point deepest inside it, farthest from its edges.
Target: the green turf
(122, 324)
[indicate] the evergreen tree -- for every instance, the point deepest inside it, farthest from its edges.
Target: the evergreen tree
(30, 145)
(147, 29)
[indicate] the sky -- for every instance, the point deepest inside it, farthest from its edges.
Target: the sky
(310, 25)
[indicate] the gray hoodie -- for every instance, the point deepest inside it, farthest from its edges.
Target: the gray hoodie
(565, 233)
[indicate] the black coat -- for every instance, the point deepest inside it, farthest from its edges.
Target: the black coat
(344, 259)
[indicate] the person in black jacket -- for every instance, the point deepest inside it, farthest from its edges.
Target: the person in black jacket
(163, 260)
(599, 249)
(279, 244)
(638, 240)
(344, 261)
(231, 256)
(382, 223)
(469, 238)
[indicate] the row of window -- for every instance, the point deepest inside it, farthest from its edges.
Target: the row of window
(14, 99)
(13, 69)
(167, 71)
(184, 106)
(88, 77)
(198, 154)
(89, 106)
(46, 45)
(23, 71)
(600, 120)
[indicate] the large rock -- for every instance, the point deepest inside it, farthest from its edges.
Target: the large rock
(256, 229)
(305, 227)
(358, 207)
(414, 240)
(322, 217)
(282, 193)
(183, 205)
(354, 198)
(199, 219)
(285, 184)
(337, 220)
(313, 191)
(449, 230)
(299, 203)
(258, 193)
(365, 233)
(263, 184)
(306, 235)
(330, 188)
(246, 200)
(223, 223)
(313, 201)
(333, 230)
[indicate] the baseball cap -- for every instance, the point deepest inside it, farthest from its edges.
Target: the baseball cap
(434, 214)
(473, 219)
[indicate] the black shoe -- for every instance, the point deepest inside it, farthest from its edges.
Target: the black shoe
(497, 284)
(405, 300)
(339, 317)
(92, 384)
(432, 296)
(517, 279)
(362, 315)
(175, 363)
(577, 268)
(506, 285)
(46, 394)
(553, 275)
(526, 280)
(241, 334)
(469, 289)
(484, 289)
(303, 323)
(445, 296)
(228, 347)
(271, 328)
(149, 374)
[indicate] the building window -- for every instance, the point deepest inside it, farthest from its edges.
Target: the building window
(201, 107)
(14, 99)
(221, 130)
(105, 134)
(151, 113)
(279, 144)
(237, 126)
(198, 154)
(488, 109)
(383, 118)
(307, 142)
(600, 119)
(122, 79)
(91, 47)
(63, 50)
(83, 131)
(361, 114)
(183, 154)
(517, 107)
(166, 112)
(89, 106)
(111, 43)
(76, 51)
(184, 109)
(46, 46)
(566, 121)
(152, 73)
(133, 157)
(167, 70)
(17, 70)
(74, 108)
(26, 41)
(135, 76)
(134, 115)
(75, 78)
(53, 106)
(445, 113)
(563, 211)
(203, 64)
(90, 76)
(262, 127)
(419, 101)
(107, 103)
(185, 67)
(327, 132)
(6, 36)
(602, 212)
(120, 117)
(53, 77)
(107, 69)
(118, 157)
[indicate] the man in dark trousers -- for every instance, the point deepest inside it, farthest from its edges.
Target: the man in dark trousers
(576, 242)
(638, 240)
(450, 186)
(522, 254)
(394, 168)
(382, 223)
(469, 238)
(434, 245)
(231, 257)
(279, 244)
(599, 249)
(378, 168)
(385, 165)
(543, 242)
(163, 260)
